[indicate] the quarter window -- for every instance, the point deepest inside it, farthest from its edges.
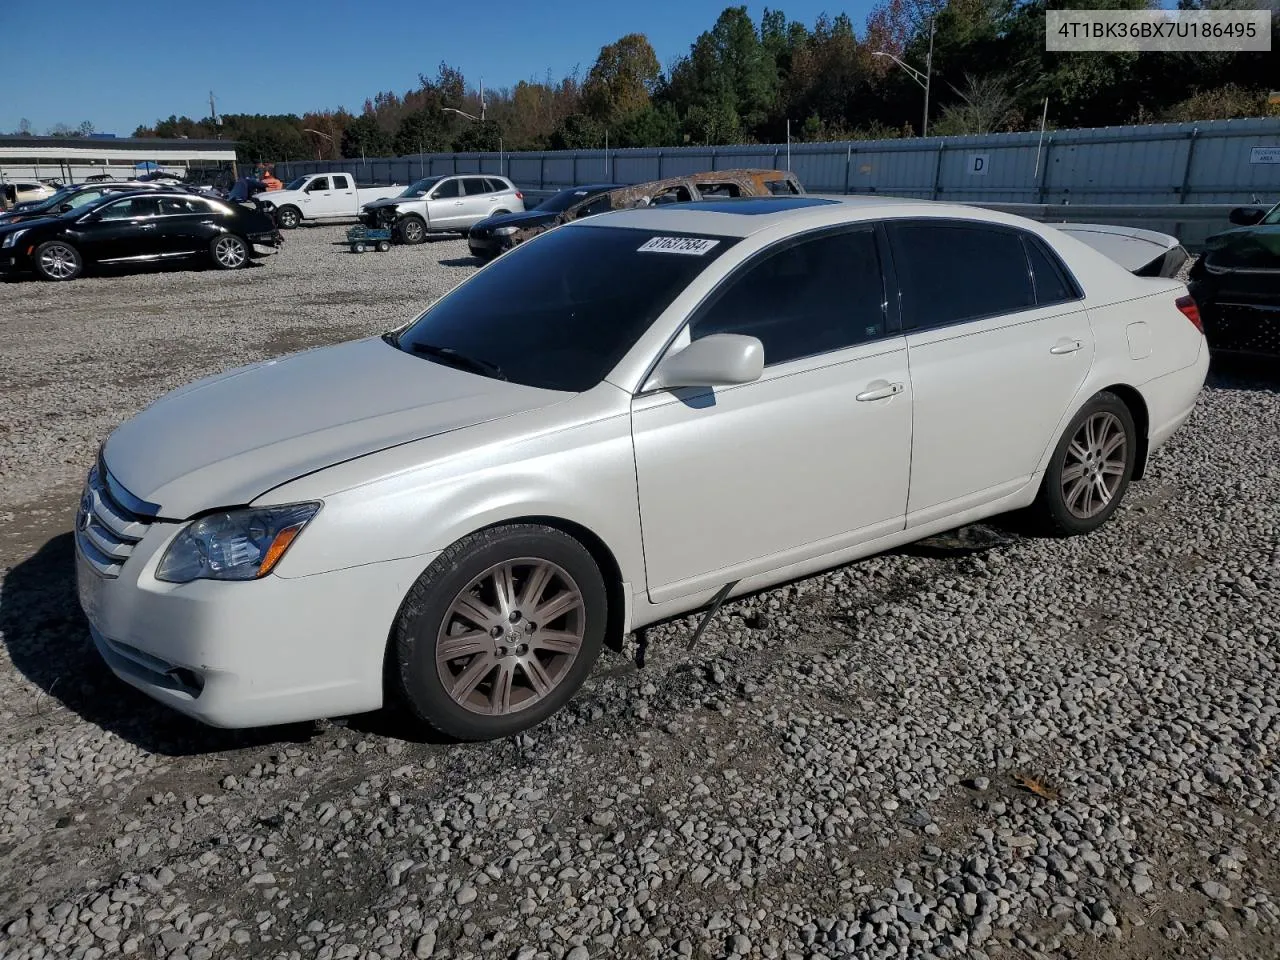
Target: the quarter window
(1050, 282)
(953, 272)
(496, 186)
(809, 298)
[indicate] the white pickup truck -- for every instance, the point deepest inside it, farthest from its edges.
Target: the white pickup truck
(321, 196)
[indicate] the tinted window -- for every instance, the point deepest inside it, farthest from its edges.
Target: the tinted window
(1051, 284)
(475, 185)
(560, 311)
(951, 272)
(319, 183)
(176, 206)
(599, 205)
(806, 299)
(341, 183)
(447, 189)
(496, 186)
(131, 208)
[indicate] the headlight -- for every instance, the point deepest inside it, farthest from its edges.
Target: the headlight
(11, 238)
(504, 231)
(234, 544)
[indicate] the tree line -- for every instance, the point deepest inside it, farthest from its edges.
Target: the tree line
(744, 81)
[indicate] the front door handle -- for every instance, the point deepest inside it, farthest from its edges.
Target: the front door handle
(1065, 346)
(880, 390)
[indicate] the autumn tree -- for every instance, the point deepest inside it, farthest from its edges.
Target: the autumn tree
(622, 80)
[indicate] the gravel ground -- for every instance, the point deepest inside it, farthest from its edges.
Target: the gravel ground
(983, 746)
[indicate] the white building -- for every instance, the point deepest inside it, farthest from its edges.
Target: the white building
(75, 159)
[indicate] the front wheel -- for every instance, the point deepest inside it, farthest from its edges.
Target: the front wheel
(288, 217)
(1091, 468)
(413, 230)
(229, 252)
(500, 631)
(57, 260)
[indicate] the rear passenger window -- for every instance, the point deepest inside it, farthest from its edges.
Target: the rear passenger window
(809, 298)
(952, 272)
(475, 186)
(1050, 282)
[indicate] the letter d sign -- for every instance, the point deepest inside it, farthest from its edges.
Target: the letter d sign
(978, 163)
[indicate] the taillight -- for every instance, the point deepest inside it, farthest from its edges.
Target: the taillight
(519, 195)
(1190, 310)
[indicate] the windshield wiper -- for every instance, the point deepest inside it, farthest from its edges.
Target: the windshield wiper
(452, 357)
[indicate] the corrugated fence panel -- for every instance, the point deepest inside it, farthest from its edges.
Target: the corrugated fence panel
(1213, 161)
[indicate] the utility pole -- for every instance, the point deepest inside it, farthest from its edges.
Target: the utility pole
(928, 78)
(213, 112)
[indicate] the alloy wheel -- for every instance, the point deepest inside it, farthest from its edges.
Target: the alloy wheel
(59, 261)
(230, 252)
(510, 636)
(1094, 466)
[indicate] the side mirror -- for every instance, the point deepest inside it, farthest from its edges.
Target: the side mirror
(66, 208)
(720, 360)
(1246, 216)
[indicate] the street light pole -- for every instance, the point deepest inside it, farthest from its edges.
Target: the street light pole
(924, 78)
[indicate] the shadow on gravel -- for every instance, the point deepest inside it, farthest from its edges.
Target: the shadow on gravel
(1244, 372)
(48, 641)
(462, 262)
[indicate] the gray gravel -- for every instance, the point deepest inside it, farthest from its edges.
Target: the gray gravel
(984, 746)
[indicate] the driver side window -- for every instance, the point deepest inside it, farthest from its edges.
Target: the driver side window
(446, 190)
(131, 209)
(320, 183)
(808, 298)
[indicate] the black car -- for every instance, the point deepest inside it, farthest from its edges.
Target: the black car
(491, 236)
(67, 199)
(1236, 282)
(138, 227)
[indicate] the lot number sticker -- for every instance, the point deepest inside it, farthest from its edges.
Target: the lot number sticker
(694, 246)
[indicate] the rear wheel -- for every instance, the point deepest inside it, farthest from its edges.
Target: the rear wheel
(500, 631)
(1091, 468)
(412, 230)
(229, 252)
(59, 261)
(383, 246)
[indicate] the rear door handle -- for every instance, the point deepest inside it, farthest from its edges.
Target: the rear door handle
(880, 390)
(1066, 346)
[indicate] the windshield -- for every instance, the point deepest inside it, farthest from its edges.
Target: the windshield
(420, 188)
(295, 184)
(1273, 217)
(562, 200)
(560, 311)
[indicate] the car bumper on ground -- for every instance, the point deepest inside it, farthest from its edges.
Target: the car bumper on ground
(246, 654)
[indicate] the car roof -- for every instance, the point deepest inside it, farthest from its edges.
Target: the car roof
(733, 217)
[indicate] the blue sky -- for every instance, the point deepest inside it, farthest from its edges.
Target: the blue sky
(117, 68)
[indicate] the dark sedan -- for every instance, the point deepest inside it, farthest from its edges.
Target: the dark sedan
(1236, 282)
(138, 227)
(67, 199)
(491, 236)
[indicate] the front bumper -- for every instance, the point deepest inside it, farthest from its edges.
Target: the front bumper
(247, 654)
(487, 244)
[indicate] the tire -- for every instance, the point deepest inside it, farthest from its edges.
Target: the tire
(229, 252)
(477, 704)
(58, 261)
(288, 218)
(358, 248)
(412, 230)
(383, 246)
(1098, 449)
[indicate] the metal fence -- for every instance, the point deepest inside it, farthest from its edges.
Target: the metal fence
(1214, 162)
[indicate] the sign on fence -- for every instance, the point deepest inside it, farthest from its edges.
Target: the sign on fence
(978, 163)
(1264, 155)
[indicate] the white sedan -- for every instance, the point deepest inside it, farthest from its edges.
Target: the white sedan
(631, 417)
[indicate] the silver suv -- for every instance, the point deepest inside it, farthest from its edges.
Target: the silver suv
(444, 204)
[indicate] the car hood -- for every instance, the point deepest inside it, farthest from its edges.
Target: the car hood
(529, 218)
(389, 201)
(1264, 237)
(26, 221)
(227, 439)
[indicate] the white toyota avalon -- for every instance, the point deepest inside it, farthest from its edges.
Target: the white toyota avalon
(624, 419)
